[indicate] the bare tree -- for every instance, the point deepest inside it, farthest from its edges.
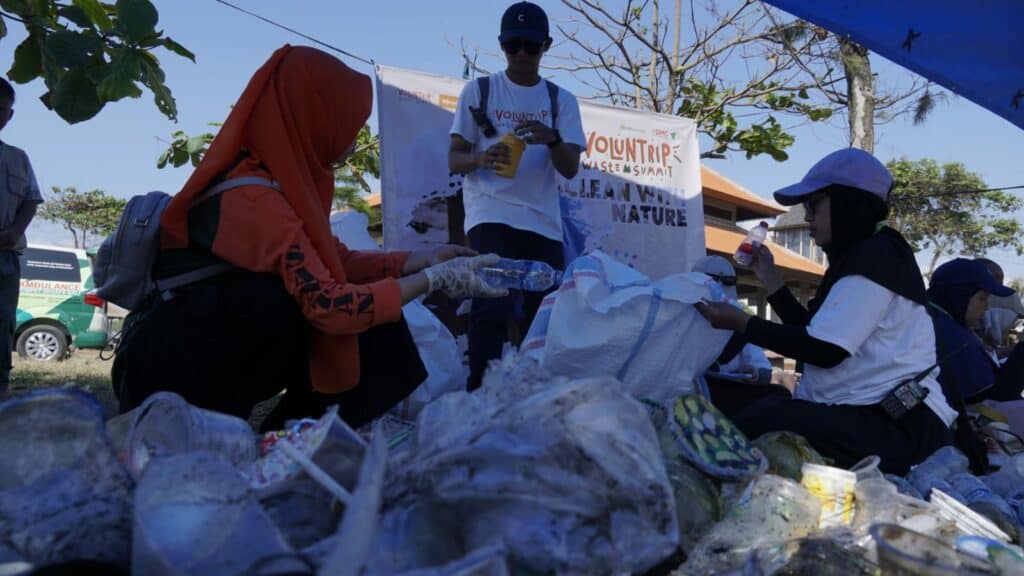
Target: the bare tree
(735, 67)
(863, 101)
(728, 69)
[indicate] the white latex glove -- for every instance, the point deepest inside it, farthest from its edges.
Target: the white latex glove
(457, 277)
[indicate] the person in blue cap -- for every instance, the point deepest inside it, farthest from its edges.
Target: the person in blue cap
(870, 384)
(958, 292)
(517, 217)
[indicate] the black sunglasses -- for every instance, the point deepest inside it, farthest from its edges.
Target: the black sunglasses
(724, 280)
(812, 202)
(515, 45)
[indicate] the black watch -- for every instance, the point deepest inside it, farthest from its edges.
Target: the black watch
(556, 141)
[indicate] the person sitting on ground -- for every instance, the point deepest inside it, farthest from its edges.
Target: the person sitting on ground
(958, 294)
(738, 356)
(864, 337)
(299, 310)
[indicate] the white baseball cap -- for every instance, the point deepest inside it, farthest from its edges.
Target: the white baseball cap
(848, 167)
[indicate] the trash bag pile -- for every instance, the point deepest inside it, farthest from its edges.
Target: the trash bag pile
(532, 474)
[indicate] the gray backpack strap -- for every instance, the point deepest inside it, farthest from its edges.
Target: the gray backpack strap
(166, 286)
(553, 94)
(234, 183)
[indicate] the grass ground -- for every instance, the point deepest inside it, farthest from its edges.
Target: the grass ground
(83, 370)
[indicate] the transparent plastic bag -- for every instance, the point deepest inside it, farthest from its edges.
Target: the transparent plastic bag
(568, 475)
(195, 514)
(63, 494)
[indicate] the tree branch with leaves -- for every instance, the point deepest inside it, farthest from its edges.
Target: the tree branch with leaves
(946, 209)
(90, 53)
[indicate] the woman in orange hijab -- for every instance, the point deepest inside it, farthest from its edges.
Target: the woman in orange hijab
(297, 309)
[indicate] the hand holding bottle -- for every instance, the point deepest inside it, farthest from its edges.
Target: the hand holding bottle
(458, 278)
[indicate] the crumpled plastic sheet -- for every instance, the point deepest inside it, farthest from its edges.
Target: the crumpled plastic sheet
(568, 476)
(63, 494)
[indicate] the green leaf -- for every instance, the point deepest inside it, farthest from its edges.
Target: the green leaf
(136, 18)
(153, 78)
(178, 49)
(196, 144)
(3, 27)
(28, 61)
(96, 13)
(76, 15)
(75, 98)
(123, 72)
(19, 7)
(71, 49)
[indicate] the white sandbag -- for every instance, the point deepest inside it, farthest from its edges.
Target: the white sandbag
(607, 319)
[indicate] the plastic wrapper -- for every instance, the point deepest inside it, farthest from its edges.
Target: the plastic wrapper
(299, 505)
(63, 494)
(773, 511)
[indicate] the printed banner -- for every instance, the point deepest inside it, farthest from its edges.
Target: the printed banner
(636, 196)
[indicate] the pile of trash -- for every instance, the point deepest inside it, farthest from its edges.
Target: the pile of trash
(532, 474)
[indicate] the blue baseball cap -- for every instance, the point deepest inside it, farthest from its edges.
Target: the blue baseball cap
(524, 20)
(969, 272)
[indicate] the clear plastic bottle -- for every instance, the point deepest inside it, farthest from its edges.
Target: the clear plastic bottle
(745, 253)
(528, 275)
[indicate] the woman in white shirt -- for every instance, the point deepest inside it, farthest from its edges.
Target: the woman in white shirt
(869, 384)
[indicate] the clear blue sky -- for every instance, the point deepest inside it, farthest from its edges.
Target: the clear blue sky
(117, 150)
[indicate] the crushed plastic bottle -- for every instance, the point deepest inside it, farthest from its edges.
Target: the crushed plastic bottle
(936, 471)
(528, 275)
(745, 253)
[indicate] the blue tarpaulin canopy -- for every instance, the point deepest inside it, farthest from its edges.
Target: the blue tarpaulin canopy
(975, 49)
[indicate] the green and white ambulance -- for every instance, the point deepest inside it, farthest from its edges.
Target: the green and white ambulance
(55, 310)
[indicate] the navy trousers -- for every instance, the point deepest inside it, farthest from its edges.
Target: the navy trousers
(488, 323)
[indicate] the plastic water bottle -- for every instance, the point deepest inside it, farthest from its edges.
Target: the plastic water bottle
(975, 491)
(745, 253)
(936, 471)
(528, 275)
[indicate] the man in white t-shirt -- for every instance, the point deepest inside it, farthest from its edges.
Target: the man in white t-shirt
(516, 217)
(19, 197)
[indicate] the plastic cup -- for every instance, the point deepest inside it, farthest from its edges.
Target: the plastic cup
(165, 425)
(905, 552)
(835, 489)
(516, 147)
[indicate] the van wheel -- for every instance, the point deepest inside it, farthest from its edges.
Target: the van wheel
(43, 343)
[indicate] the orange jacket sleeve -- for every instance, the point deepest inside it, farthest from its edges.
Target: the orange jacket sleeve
(248, 237)
(371, 265)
